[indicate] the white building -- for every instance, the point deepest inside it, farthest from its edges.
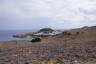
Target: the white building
(48, 34)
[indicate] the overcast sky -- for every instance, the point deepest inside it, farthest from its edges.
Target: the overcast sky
(35, 14)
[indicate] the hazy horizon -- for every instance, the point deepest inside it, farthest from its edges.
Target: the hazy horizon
(37, 14)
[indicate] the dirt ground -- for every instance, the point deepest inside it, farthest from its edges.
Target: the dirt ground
(72, 49)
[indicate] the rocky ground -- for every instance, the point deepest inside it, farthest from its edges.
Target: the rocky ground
(72, 49)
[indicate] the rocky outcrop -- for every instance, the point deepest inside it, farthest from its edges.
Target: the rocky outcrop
(21, 36)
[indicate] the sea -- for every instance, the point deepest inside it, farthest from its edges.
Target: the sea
(7, 35)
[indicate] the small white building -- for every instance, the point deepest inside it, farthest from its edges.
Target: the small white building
(48, 34)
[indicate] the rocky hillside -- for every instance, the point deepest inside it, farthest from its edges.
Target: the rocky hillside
(78, 47)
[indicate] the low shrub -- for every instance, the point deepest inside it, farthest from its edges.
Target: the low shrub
(36, 40)
(64, 33)
(69, 33)
(77, 33)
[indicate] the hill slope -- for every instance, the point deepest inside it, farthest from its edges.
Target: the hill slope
(61, 49)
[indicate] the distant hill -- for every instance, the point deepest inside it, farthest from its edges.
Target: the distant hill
(46, 30)
(83, 33)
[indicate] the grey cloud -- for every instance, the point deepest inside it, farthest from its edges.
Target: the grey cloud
(54, 13)
(92, 12)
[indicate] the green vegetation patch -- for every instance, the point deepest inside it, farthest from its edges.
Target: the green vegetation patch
(36, 39)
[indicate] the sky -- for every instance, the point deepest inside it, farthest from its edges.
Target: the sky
(36, 14)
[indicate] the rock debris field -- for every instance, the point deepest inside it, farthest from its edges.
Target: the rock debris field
(51, 50)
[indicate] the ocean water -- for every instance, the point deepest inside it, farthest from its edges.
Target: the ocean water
(6, 35)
